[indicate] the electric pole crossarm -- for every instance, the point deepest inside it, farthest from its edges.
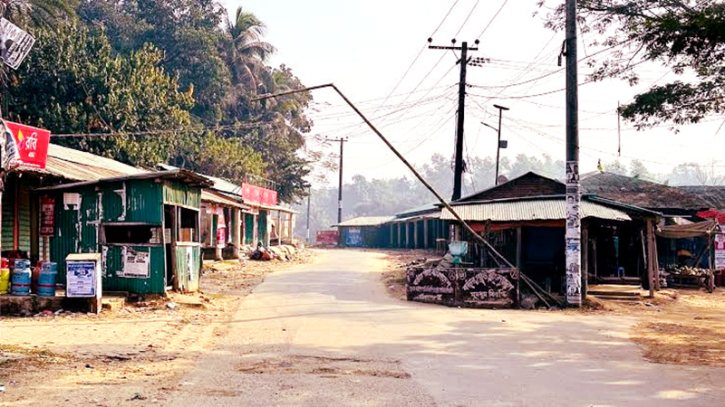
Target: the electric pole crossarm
(451, 48)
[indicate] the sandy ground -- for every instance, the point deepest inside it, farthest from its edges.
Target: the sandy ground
(684, 327)
(138, 354)
(331, 335)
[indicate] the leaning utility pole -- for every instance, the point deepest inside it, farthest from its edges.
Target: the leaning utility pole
(573, 199)
(339, 187)
(498, 148)
(458, 168)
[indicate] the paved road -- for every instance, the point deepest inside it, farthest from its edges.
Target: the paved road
(327, 335)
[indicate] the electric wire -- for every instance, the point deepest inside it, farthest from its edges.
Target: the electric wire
(470, 13)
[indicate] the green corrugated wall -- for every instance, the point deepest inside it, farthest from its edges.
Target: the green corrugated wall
(8, 215)
(154, 284)
(248, 228)
(262, 228)
(176, 193)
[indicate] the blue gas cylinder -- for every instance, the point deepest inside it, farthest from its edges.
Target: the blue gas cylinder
(46, 279)
(21, 278)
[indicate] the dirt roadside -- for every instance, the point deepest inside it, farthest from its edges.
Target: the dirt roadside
(135, 356)
(684, 327)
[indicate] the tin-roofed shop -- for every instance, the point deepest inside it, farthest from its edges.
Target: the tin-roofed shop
(525, 218)
(146, 226)
(364, 231)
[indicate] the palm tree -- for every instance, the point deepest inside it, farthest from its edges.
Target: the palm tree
(38, 13)
(244, 49)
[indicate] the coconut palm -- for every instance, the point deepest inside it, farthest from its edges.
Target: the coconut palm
(244, 48)
(37, 13)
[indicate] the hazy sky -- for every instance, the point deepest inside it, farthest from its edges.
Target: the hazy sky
(365, 48)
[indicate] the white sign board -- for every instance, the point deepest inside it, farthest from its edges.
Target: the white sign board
(15, 44)
(81, 279)
(719, 251)
(136, 264)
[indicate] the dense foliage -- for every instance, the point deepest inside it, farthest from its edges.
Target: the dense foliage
(169, 81)
(686, 35)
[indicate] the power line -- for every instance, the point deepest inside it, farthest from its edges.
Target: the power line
(466, 20)
(492, 19)
(418, 56)
(444, 19)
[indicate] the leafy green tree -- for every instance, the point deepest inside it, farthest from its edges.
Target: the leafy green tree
(686, 35)
(186, 31)
(73, 83)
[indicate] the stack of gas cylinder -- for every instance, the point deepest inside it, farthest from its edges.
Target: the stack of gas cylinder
(17, 277)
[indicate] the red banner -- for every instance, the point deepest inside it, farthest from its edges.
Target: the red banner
(32, 145)
(258, 195)
(327, 237)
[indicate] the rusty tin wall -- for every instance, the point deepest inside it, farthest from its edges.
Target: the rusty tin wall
(78, 229)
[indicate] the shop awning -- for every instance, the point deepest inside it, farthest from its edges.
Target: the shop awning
(686, 231)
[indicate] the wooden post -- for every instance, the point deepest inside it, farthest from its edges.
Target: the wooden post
(710, 286)
(595, 258)
(400, 235)
(519, 244)
(236, 232)
(650, 257)
(415, 234)
(215, 235)
(255, 230)
(407, 235)
(425, 233)
(279, 228)
(657, 266)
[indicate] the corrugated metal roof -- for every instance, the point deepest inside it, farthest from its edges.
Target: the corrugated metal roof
(366, 221)
(527, 210)
(433, 215)
(219, 183)
(431, 207)
(78, 165)
(221, 199)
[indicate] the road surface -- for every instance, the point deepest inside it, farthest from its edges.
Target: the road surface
(327, 334)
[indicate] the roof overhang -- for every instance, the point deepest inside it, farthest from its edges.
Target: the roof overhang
(184, 176)
(530, 210)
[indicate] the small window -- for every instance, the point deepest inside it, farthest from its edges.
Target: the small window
(188, 225)
(131, 234)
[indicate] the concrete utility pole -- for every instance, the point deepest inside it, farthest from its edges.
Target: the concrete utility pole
(309, 194)
(573, 218)
(459, 168)
(499, 147)
(339, 187)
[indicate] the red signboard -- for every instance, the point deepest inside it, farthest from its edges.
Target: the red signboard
(32, 145)
(47, 215)
(258, 195)
(327, 237)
